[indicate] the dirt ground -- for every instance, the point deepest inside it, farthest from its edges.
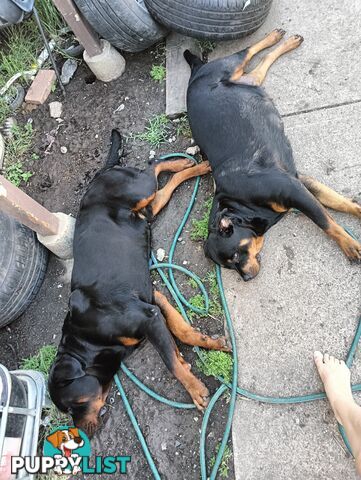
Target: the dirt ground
(59, 181)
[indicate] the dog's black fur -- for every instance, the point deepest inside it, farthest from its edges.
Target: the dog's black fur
(112, 304)
(238, 128)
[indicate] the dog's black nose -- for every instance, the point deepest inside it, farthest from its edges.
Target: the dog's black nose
(246, 277)
(78, 440)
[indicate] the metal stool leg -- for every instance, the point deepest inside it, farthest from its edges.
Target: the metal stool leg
(37, 19)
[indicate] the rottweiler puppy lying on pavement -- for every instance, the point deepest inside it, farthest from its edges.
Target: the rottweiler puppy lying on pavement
(241, 133)
(112, 305)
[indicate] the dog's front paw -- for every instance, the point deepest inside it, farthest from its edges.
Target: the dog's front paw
(351, 248)
(199, 393)
(203, 168)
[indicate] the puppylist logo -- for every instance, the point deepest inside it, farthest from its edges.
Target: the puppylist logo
(67, 451)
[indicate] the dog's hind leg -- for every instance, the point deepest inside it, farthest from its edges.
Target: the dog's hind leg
(330, 198)
(161, 338)
(299, 197)
(177, 165)
(163, 196)
(257, 76)
(183, 331)
(270, 40)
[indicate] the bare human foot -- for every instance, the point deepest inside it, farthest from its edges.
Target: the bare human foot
(336, 378)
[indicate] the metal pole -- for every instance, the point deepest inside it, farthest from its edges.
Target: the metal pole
(48, 49)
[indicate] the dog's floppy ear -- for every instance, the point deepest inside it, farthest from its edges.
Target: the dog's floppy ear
(225, 227)
(54, 439)
(65, 369)
(74, 431)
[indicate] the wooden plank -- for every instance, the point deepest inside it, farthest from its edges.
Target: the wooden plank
(178, 72)
(24, 209)
(79, 25)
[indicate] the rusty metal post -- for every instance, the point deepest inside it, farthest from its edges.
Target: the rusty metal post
(24, 209)
(79, 25)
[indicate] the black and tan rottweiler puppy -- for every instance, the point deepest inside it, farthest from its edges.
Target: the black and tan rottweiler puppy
(241, 133)
(113, 306)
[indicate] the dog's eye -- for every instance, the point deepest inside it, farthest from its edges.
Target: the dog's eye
(235, 257)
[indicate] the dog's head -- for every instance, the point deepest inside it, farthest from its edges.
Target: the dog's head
(234, 244)
(66, 440)
(77, 392)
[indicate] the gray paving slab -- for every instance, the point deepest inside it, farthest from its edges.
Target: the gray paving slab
(325, 69)
(178, 72)
(306, 297)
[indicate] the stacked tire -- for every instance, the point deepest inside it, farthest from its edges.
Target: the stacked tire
(126, 24)
(23, 262)
(211, 19)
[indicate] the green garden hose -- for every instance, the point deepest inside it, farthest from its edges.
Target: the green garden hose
(182, 302)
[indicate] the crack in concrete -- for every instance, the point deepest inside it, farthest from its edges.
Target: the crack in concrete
(325, 107)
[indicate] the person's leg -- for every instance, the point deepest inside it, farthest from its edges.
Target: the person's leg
(335, 376)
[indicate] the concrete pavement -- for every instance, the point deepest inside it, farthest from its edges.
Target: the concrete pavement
(307, 295)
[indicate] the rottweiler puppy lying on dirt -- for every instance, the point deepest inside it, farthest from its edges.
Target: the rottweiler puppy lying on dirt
(112, 305)
(241, 133)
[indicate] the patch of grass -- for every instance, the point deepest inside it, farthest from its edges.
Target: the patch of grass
(156, 131)
(16, 147)
(200, 227)
(216, 364)
(5, 110)
(50, 17)
(198, 302)
(192, 283)
(16, 174)
(224, 466)
(20, 48)
(158, 73)
(206, 46)
(41, 361)
(183, 127)
(22, 43)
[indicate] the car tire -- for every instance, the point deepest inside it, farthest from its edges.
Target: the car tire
(23, 262)
(211, 19)
(126, 24)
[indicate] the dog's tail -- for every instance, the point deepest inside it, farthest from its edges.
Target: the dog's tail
(193, 61)
(116, 149)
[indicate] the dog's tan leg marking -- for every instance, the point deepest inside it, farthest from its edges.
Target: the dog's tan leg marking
(276, 207)
(173, 165)
(183, 331)
(270, 40)
(143, 203)
(257, 76)
(196, 389)
(163, 196)
(330, 198)
(128, 341)
(350, 246)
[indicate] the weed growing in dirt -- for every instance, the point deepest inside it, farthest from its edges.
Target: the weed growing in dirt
(183, 127)
(16, 174)
(41, 361)
(216, 364)
(200, 227)
(224, 466)
(50, 17)
(17, 146)
(22, 43)
(158, 73)
(206, 46)
(5, 110)
(198, 302)
(156, 131)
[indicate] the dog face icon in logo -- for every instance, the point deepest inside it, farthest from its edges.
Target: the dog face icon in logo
(67, 445)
